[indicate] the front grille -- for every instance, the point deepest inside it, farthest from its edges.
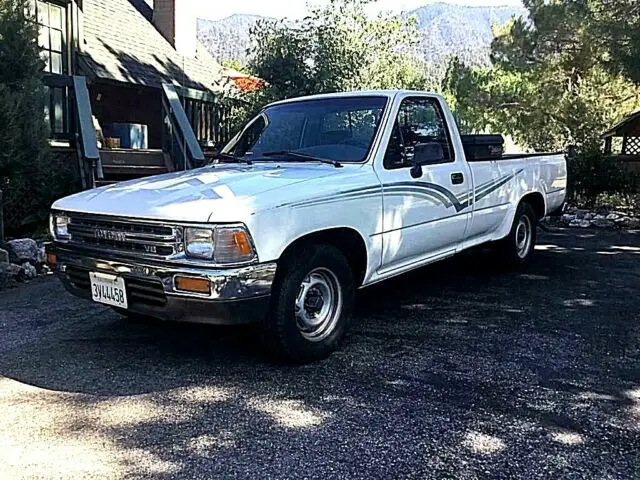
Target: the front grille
(122, 236)
(141, 292)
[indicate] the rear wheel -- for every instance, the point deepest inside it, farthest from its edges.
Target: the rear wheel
(516, 250)
(311, 305)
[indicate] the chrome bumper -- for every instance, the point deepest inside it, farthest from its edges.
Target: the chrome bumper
(238, 295)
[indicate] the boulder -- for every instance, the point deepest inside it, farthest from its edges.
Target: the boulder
(29, 271)
(4, 256)
(629, 222)
(585, 223)
(589, 216)
(613, 216)
(16, 272)
(42, 256)
(567, 218)
(4, 274)
(602, 223)
(23, 250)
(575, 223)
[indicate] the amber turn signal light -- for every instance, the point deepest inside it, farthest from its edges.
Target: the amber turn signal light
(52, 259)
(192, 284)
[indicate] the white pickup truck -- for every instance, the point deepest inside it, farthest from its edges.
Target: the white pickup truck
(315, 198)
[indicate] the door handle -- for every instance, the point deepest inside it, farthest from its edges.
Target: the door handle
(457, 178)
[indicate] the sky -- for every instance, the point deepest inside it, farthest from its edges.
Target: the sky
(217, 9)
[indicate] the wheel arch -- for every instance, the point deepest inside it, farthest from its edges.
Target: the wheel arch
(537, 202)
(346, 239)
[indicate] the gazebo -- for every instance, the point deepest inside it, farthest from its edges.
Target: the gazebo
(623, 140)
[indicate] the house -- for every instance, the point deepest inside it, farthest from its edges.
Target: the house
(127, 52)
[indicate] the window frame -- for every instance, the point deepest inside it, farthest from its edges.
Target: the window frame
(396, 126)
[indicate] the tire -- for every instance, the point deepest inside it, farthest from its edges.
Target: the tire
(516, 249)
(311, 304)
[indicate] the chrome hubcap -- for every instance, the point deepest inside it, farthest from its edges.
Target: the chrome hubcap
(318, 304)
(524, 236)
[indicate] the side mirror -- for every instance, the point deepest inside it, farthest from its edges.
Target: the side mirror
(425, 154)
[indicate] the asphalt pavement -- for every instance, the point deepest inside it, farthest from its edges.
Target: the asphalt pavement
(457, 370)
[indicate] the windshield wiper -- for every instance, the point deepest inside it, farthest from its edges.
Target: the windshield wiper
(301, 156)
(232, 158)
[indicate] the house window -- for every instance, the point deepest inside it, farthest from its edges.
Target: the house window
(52, 39)
(52, 20)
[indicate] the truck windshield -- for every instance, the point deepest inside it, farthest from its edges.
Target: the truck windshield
(341, 129)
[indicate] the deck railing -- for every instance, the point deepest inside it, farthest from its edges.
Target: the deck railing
(180, 141)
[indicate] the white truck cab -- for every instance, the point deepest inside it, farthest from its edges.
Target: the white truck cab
(314, 198)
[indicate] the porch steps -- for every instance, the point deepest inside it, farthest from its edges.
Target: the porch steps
(119, 165)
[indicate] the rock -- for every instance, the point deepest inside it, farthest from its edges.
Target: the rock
(29, 270)
(585, 223)
(580, 214)
(4, 256)
(600, 217)
(613, 216)
(23, 250)
(575, 223)
(629, 222)
(42, 256)
(4, 275)
(602, 223)
(16, 272)
(589, 216)
(567, 218)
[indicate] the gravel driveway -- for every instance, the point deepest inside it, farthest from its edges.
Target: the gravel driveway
(453, 371)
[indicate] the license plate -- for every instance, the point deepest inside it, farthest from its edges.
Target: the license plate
(108, 289)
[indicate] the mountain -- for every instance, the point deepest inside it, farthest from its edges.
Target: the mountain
(227, 39)
(445, 30)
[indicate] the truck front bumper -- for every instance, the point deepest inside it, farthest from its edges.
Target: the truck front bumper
(237, 295)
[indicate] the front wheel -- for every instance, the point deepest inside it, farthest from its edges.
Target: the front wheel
(311, 305)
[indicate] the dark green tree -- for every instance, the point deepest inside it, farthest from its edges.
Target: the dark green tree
(24, 150)
(336, 48)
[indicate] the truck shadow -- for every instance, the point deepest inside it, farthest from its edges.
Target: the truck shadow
(462, 357)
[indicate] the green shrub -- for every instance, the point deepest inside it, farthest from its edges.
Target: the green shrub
(592, 175)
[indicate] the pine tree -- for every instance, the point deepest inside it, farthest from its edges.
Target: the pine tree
(24, 150)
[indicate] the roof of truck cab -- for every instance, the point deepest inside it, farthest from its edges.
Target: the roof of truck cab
(358, 93)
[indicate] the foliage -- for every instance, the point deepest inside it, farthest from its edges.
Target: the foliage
(444, 30)
(593, 176)
(336, 48)
(560, 77)
(24, 153)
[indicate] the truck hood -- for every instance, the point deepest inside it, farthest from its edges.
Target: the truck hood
(227, 191)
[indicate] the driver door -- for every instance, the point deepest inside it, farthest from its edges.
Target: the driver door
(423, 205)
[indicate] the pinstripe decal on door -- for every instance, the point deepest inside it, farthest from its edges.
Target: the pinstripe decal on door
(425, 190)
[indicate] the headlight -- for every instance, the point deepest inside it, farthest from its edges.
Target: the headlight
(222, 244)
(59, 227)
(198, 242)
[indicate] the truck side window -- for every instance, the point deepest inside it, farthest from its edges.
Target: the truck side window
(420, 122)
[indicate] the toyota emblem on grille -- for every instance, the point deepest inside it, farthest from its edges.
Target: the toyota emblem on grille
(102, 234)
